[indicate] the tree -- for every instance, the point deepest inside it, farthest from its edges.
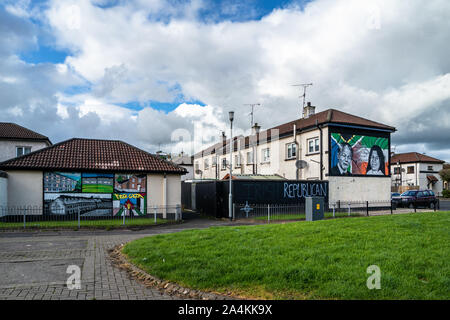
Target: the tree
(445, 174)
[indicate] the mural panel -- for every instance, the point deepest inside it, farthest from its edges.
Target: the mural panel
(97, 182)
(125, 182)
(69, 204)
(129, 204)
(360, 155)
(62, 182)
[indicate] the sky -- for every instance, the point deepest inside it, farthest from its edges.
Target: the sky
(163, 75)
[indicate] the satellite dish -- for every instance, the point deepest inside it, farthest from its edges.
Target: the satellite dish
(403, 170)
(301, 164)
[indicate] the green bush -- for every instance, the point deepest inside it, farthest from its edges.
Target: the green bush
(446, 193)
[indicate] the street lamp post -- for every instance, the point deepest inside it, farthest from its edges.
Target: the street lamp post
(230, 197)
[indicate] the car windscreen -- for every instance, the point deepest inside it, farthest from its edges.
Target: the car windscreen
(409, 193)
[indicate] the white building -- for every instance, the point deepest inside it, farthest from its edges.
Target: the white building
(16, 141)
(186, 162)
(316, 139)
(26, 183)
(414, 170)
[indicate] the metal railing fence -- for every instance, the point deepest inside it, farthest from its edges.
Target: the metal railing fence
(280, 212)
(78, 217)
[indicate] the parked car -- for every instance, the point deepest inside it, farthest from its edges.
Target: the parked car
(418, 198)
(396, 199)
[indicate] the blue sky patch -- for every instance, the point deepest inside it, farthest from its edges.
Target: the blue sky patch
(44, 54)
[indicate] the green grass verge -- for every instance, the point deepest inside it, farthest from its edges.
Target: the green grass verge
(325, 259)
(301, 216)
(106, 224)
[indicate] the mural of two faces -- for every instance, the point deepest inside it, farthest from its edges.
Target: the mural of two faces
(358, 155)
(95, 194)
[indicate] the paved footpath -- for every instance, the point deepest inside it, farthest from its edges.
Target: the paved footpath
(33, 265)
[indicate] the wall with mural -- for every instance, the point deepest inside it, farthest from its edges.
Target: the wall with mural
(95, 194)
(359, 153)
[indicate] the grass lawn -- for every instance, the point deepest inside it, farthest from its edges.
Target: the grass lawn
(325, 259)
(106, 224)
(302, 216)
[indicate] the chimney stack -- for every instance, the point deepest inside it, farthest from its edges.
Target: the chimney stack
(308, 110)
(224, 137)
(255, 129)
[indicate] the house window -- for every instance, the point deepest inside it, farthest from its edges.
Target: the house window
(206, 164)
(224, 163)
(266, 155)
(430, 168)
(20, 151)
(214, 161)
(313, 145)
(410, 169)
(250, 157)
(291, 151)
(237, 160)
(396, 170)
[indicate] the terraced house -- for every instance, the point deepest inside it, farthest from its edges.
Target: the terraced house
(351, 152)
(16, 141)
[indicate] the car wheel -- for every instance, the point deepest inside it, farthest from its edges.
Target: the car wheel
(432, 205)
(411, 205)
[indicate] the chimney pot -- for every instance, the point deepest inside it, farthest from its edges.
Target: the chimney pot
(308, 110)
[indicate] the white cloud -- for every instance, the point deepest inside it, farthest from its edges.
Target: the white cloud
(382, 59)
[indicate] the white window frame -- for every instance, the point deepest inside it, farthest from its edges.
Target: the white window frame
(237, 160)
(23, 148)
(206, 164)
(251, 157)
(214, 161)
(224, 161)
(315, 145)
(289, 147)
(265, 155)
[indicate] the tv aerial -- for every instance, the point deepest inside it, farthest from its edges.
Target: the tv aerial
(304, 85)
(253, 105)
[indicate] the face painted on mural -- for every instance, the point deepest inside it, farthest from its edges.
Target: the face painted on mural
(375, 162)
(345, 157)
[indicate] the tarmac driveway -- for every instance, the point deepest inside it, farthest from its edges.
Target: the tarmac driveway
(33, 264)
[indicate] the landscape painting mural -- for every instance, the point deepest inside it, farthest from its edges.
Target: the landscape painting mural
(92, 205)
(129, 204)
(353, 154)
(128, 182)
(62, 182)
(97, 182)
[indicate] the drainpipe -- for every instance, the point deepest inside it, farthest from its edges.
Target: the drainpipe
(297, 154)
(165, 195)
(321, 150)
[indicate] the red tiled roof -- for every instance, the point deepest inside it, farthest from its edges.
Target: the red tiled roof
(90, 155)
(14, 131)
(324, 117)
(411, 157)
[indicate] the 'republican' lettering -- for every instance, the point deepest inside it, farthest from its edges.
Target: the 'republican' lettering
(302, 190)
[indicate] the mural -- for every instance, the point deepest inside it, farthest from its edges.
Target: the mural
(358, 155)
(97, 182)
(70, 203)
(129, 204)
(95, 194)
(130, 183)
(62, 182)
